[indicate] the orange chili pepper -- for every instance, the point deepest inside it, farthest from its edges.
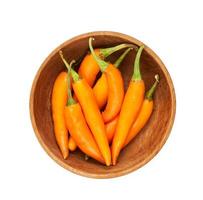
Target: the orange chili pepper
(110, 128)
(100, 91)
(89, 67)
(101, 87)
(115, 86)
(91, 112)
(144, 114)
(59, 99)
(79, 130)
(77, 126)
(130, 108)
(72, 144)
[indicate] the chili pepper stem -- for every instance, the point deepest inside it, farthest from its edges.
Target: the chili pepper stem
(70, 101)
(120, 59)
(102, 64)
(108, 51)
(74, 74)
(150, 92)
(137, 74)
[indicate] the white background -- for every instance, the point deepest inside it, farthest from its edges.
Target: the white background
(29, 30)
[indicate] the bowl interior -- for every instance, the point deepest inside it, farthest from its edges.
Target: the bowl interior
(146, 144)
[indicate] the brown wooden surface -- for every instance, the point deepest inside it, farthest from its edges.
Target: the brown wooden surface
(148, 142)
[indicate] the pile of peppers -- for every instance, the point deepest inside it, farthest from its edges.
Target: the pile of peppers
(100, 118)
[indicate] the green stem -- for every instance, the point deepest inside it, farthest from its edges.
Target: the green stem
(102, 64)
(121, 58)
(74, 74)
(150, 92)
(70, 101)
(137, 74)
(108, 51)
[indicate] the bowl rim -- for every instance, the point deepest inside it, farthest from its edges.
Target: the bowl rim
(133, 167)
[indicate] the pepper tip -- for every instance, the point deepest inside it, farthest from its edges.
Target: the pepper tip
(65, 155)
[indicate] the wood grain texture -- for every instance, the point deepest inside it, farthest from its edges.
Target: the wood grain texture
(148, 142)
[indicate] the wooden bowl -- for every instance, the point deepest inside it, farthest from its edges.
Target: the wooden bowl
(147, 143)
